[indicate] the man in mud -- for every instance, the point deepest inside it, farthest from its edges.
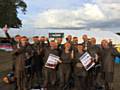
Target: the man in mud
(50, 74)
(86, 42)
(75, 40)
(23, 64)
(69, 39)
(37, 62)
(94, 51)
(108, 54)
(44, 41)
(15, 43)
(74, 45)
(60, 45)
(65, 66)
(79, 71)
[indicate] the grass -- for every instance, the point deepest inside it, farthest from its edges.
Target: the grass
(5, 63)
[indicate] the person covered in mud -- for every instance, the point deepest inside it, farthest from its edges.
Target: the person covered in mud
(65, 67)
(49, 70)
(79, 71)
(37, 62)
(23, 64)
(86, 42)
(108, 54)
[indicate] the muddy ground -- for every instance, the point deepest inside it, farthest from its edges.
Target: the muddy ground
(5, 67)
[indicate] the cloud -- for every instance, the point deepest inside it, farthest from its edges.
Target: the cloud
(69, 18)
(107, 1)
(100, 14)
(110, 10)
(115, 23)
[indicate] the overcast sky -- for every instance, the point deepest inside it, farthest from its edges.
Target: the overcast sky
(85, 14)
(72, 13)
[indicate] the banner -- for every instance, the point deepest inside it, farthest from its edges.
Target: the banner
(56, 35)
(86, 60)
(52, 61)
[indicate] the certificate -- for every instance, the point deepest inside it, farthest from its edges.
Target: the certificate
(87, 61)
(52, 61)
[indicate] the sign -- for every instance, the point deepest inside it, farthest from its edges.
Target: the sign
(86, 60)
(52, 61)
(56, 35)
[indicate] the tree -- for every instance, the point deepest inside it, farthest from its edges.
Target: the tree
(9, 11)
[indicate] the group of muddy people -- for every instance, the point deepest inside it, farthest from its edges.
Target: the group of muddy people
(29, 62)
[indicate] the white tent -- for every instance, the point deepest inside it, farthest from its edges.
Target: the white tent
(98, 34)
